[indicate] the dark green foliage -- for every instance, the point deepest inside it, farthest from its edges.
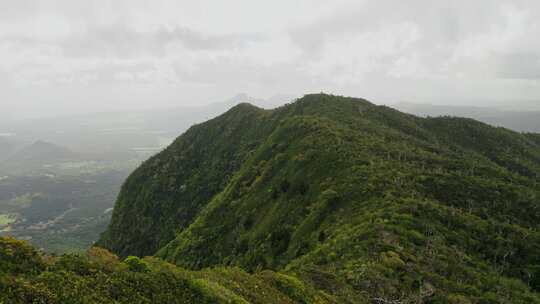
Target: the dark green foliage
(99, 277)
(135, 264)
(183, 179)
(18, 257)
(362, 202)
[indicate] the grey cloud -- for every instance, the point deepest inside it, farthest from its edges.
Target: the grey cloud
(122, 41)
(57, 52)
(240, 74)
(443, 28)
(519, 65)
(197, 41)
(110, 74)
(440, 21)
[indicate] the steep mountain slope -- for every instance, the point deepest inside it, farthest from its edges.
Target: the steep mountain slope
(363, 202)
(181, 180)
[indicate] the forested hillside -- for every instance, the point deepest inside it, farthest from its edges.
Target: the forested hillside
(345, 201)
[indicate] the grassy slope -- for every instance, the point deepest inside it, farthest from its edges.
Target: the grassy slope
(363, 202)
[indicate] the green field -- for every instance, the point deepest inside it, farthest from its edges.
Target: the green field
(6, 219)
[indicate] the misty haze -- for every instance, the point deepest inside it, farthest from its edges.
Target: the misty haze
(383, 152)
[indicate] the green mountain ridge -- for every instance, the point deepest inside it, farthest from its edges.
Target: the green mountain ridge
(338, 185)
(349, 201)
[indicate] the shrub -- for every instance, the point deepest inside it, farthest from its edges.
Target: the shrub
(136, 264)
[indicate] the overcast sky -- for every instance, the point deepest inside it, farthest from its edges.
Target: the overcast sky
(60, 57)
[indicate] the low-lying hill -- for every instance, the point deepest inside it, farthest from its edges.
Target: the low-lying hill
(37, 156)
(360, 201)
(45, 152)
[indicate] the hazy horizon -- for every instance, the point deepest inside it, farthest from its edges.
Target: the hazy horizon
(73, 57)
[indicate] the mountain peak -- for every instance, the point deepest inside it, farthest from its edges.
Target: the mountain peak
(242, 97)
(42, 143)
(43, 151)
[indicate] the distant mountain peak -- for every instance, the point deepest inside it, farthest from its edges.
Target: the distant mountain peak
(42, 143)
(242, 97)
(43, 151)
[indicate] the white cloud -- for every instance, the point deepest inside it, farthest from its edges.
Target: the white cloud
(136, 53)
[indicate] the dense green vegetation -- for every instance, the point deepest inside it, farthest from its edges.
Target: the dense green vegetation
(354, 198)
(182, 179)
(27, 276)
(332, 199)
